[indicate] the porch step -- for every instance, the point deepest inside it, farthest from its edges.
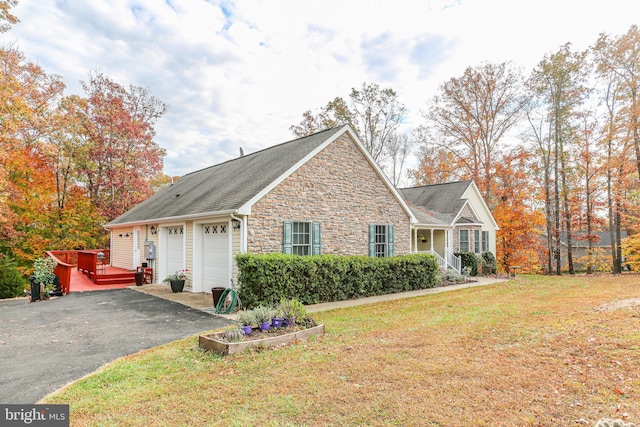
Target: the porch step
(115, 279)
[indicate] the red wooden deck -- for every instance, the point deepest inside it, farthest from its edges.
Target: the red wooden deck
(81, 282)
(89, 270)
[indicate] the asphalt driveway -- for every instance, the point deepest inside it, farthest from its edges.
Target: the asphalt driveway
(45, 345)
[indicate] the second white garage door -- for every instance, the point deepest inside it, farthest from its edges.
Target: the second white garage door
(215, 256)
(175, 249)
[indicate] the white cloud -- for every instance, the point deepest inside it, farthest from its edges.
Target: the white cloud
(240, 73)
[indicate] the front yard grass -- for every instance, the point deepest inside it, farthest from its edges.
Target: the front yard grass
(533, 351)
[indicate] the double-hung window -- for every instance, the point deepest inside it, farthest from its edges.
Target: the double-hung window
(464, 240)
(476, 241)
(301, 238)
(381, 240)
(485, 241)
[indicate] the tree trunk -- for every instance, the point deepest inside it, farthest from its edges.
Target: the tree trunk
(617, 266)
(589, 228)
(556, 196)
(567, 212)
(549, 215)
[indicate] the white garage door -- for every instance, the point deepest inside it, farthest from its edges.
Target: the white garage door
(175, 249)
(215, 256)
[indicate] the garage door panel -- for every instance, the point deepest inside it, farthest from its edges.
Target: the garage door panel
(175, 249)
(215, 255)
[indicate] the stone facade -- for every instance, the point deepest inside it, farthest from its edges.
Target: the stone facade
(338, 188)
(456, 237)
(467, 212)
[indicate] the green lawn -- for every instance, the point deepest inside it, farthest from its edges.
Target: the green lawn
(533, 351)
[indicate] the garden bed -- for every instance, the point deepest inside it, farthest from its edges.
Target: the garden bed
(214, 342)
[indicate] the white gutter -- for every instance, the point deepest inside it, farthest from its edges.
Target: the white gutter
(172, 218)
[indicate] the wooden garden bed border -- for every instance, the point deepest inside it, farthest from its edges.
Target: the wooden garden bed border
(212, 343)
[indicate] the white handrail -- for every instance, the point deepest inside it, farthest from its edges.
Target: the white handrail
(454, 261)
(442, 263)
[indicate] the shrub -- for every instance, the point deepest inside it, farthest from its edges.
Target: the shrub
(11, 281)
(268, 278)
(489, 264)
(469, 259)
(44, 272)
(450, 275)
(246, 317)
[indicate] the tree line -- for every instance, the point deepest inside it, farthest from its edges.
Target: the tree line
(556, 153)
(69, 163)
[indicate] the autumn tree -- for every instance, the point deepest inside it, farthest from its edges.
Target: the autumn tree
(122, 156)
(435, 166)
(28, 95)
(517, 240)
(621, 57)
(469, 117)
(375, 115)
(589, 162)
(558, 84)
(336, 113)
(618, 66)
(6, 18)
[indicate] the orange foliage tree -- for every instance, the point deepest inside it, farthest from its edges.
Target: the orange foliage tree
(517, 241)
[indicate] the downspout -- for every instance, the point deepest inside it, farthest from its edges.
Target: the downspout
(243, 232)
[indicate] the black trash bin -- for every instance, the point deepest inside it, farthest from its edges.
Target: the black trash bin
(57, 288)
(35, 289)
(217, 293)
(139, 276)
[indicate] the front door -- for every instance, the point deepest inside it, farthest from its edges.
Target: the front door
(136, 247)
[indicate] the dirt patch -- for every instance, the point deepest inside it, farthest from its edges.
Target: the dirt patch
(617, 305)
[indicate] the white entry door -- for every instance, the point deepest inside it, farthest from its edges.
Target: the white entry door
(136, 247)
(215, 256)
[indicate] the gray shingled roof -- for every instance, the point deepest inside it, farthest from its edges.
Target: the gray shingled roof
(226, 186)
(441, 202)
(579, 238)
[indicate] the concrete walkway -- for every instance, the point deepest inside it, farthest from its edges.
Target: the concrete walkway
(204, 301)
(481, 281)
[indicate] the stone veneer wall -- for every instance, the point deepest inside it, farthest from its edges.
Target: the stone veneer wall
(466, 212)
(339, 189)
(456, 236)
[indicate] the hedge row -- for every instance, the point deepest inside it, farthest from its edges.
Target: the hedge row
(265, 279)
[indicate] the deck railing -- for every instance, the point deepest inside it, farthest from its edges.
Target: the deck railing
(63, 269)
(88, 260)
(85, 260)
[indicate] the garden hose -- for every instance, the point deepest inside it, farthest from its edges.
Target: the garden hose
(221, 308)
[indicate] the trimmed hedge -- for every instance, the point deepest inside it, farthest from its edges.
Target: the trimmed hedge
(469, 259)
(265, 279)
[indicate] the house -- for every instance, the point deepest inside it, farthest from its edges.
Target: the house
(601, 248)
(451, 217)
(320, 194)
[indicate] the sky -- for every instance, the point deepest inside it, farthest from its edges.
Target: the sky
(240, 73)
